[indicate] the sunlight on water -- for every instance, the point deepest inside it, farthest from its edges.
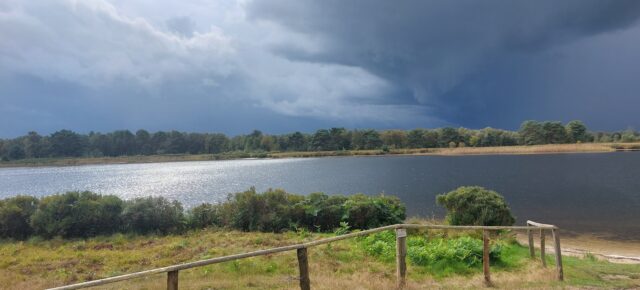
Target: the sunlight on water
(189, 182)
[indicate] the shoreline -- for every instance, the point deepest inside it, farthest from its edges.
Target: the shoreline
(614, 251)
(463, 151)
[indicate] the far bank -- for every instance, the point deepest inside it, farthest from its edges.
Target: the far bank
(531, 149)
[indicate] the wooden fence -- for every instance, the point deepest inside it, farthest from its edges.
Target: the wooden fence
(303, 262)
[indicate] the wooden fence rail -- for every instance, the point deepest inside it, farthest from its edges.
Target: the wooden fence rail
(303, 262)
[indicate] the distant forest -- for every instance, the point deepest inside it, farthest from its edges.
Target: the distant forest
(66, 143)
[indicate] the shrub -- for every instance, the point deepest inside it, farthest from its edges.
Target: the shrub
(271, 211)
(153, 215)
(363, 212)
(320, 211)
(77, 214)
(84, 214)
(277, 210)
(15, 216)
(204, 215)
(475, 205)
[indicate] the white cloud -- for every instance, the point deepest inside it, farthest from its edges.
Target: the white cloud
(99, 44)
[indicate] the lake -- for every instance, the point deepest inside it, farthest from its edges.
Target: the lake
(595, 193)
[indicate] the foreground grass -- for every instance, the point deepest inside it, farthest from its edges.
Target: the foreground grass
(534, 149)
(38, 264)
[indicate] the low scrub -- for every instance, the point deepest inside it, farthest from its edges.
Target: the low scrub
(438, 255)
(15, 216)
(277, 210)
(77, 214)
(85, 214)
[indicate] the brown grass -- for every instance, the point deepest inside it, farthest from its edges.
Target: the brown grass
(341, 265)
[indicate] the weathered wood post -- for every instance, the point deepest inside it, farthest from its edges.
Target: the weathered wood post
(401, 254)
(558, 250)
(485, 257)
(303, 266)
(172, 280)
(542, 248)
(532, 250)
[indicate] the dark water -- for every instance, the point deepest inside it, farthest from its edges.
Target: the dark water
(585, 193)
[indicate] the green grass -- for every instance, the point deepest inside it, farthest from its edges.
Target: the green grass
(37, 263)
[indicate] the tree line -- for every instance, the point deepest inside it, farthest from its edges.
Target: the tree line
(66, 143)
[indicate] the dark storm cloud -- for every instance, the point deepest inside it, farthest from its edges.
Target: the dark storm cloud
(459, 57)
(281, 65)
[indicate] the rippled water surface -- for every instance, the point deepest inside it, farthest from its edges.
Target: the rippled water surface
(597, 193)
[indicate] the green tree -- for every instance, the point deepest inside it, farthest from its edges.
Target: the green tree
(123, 143)
(531, 133)
(554, 132)
(394, 138)
(321, 140)
(143, 142)
(66, 143)
(34, 145)
(340, 139)
(475, 205)
(297, 142)
(448, 135)
(216, 143)
(576, 131)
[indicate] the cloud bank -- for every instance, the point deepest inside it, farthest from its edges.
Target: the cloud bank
(283, 65)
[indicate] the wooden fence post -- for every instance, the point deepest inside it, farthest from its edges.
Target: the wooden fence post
(558, 250)
(401, 254)
(303, 266)
(485, 257)
(532, 250)
(172, 280)
(542, 248)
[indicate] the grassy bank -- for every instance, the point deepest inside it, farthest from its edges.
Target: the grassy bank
(36, 264)
(533, 149)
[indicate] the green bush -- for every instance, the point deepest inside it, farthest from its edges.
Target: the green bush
(204, 215)
(251, 211)
(363, 212)
(15, 216)
(153, 215)
(322, 212)
(475, 205)
(77, 214)
(84, 214)
(277, 210)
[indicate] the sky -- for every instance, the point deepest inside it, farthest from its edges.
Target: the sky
(279, 66)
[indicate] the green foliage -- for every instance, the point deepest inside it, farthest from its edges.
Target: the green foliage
(153, 215)
(277, 210)
(65, 143)
(321, 211)
(203, 216)
(77, 214)
(554, 133)
(475, 205)
(437, 255)
(577, 131)
(364, 212)
(15, 216)
(84, 214)
(531, 133)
